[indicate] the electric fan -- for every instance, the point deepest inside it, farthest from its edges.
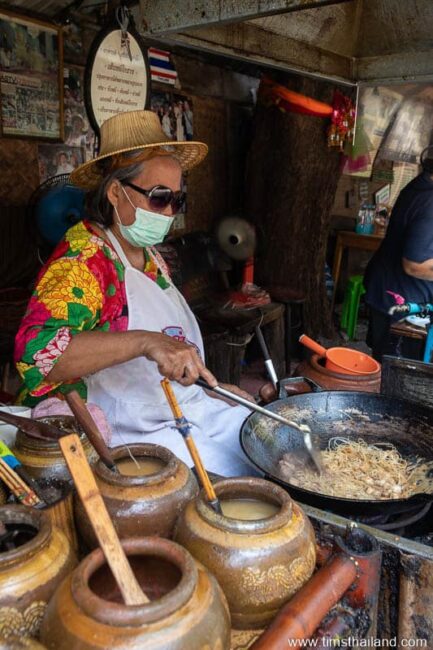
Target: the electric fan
(237, 238)
(56, 206)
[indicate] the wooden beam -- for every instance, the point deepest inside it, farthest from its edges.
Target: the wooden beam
(167, 16)
(253, 44)
(395, 68)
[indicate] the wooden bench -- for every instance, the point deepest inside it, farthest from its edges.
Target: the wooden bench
(198, 269)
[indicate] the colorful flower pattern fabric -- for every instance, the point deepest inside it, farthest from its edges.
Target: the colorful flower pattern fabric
(81, 288)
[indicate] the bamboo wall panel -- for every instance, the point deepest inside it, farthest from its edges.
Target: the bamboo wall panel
(207, 185)
(18, 171)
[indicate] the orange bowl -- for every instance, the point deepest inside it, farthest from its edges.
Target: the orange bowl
(350, 362)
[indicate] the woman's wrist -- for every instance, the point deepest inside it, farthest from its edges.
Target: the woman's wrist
(147, 342)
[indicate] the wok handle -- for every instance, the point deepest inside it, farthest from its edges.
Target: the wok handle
(312, 345)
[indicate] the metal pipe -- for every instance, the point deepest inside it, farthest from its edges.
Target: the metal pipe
(302, 614)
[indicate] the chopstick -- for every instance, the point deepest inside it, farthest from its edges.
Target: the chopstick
(17, 486)
(184, 429)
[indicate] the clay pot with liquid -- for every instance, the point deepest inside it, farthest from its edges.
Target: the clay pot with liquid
(31, 570)
(259, 562)
(314, 368)
(43, 459)
(141, 504)
(187, 608)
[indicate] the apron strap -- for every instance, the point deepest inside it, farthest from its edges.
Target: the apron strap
(119, 250)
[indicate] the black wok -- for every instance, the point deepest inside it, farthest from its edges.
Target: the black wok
(370, 416)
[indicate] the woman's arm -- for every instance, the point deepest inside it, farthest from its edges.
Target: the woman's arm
(91, 351)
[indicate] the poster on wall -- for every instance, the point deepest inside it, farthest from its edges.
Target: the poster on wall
(117, 77)
(30, 78)
(376, 108)
(78, 132)
(410, 132)
(58, 159)
(175, 113)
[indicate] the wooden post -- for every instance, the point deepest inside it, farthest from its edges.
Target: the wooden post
(291, 183)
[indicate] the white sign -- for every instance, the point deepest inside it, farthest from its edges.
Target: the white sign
(119, 77)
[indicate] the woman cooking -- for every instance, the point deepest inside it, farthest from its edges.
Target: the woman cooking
(105, 309)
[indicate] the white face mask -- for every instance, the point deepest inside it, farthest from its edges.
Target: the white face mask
(148, 229)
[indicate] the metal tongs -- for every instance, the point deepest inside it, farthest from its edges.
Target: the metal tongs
(303, 428)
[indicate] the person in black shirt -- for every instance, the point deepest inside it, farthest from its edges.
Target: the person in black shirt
(403, 264)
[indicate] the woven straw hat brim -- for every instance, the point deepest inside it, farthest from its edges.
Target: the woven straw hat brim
(189, 154)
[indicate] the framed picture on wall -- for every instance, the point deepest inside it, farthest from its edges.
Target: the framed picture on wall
(58, 159)
(31, 78)
(78, 132)
(175, 113)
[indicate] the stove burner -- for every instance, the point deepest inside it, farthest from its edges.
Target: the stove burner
(399, 523)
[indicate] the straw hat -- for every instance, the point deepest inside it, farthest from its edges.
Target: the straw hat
(134, 131)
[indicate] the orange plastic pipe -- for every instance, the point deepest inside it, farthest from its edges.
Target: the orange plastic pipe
(300, 617)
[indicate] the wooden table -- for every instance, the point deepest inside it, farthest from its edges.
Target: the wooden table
(351, 239)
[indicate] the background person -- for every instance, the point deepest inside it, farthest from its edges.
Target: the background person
(403, 264)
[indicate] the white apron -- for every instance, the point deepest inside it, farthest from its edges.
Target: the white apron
(131, 395)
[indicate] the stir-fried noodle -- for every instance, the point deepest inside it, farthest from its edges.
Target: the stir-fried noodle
(357, 470)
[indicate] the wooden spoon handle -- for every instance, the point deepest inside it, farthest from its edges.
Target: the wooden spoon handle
(99, 518)
(88, 424)
(33, 428)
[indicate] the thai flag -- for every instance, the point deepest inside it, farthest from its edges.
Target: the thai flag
(161, 68)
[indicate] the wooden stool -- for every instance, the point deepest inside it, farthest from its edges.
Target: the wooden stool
(293, 302)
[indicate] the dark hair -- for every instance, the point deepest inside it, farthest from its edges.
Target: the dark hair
(97, 204)
(426, 159)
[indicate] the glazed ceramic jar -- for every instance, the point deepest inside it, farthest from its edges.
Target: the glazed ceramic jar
(43, 459)
(259, 563)
(23, 643)
(141, 505)
(30, 573)
(187, 611)
(60, 507)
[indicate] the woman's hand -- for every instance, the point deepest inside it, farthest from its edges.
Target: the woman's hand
(177, 361)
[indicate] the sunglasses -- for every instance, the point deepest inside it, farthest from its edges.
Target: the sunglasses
(160, 197)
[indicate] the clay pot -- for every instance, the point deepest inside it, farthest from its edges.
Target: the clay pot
(259, 564)
(141, 505)
(30, 573)
(60, 509)
(24, 643)
(314, 368)
(3, 495)
(43, 458)
(187, 608)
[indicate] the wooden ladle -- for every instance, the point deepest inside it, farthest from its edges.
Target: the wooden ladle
(34, 428)
(99, 518)
(90, 428)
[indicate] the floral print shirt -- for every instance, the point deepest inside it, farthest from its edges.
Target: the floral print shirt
(80, 288)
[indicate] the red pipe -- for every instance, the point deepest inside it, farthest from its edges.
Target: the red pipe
(300, 617)
(324, 550)
(341, 625)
